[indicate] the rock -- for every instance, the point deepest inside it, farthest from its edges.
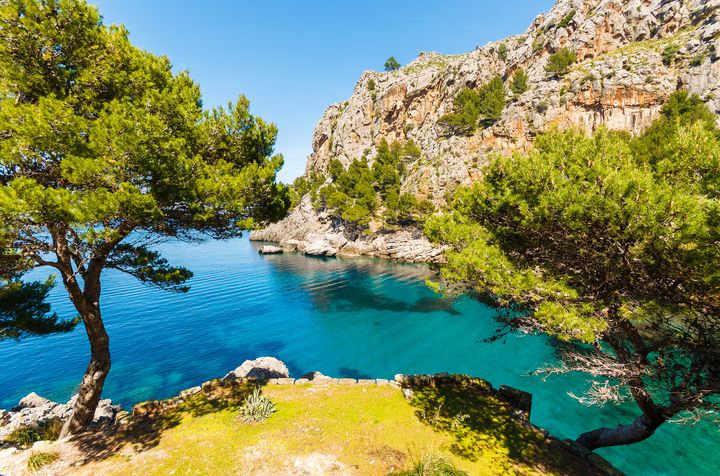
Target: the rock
(316, 377)
(7, 452)
(263, 368)
(320, 248)
(190, 392)
(270, 250)
(519, 399)
(33, 400)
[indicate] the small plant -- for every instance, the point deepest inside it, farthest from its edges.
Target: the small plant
(519, 82)
(392, 64)
(502, 51)
(433, 465)
(257, 407)
(48, 430)
(669, 53)
(559, 63)
(538, 44)
(697, 60)
(371, 85)
(565, 22)
(38, 460)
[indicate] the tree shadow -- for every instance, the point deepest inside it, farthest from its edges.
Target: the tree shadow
(479, 421)
(143, 430)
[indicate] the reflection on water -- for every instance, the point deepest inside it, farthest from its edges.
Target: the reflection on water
(346, 317)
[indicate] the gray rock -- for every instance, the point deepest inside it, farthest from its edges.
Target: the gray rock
(33, 400)
(270, 250)
(320, 248)
(262, 368)
(316, 377)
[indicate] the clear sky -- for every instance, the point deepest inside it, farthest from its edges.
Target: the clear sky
(294, 58)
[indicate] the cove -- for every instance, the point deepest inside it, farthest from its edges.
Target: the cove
(346, 317)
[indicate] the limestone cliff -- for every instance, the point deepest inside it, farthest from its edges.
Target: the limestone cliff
(620, 81)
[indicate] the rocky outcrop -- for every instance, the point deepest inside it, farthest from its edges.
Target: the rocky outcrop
(317, 234)
(34, 410)
(620, 81)
(262, 368)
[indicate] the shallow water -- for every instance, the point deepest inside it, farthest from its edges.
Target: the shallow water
(344, 317)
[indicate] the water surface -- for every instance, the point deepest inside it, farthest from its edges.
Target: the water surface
(345, 317)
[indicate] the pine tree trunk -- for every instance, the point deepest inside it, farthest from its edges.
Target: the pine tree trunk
(640, 429)
(94, 379)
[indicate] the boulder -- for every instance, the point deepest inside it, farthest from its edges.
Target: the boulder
(320, 248)
(33, 400)
(316, 377)
(270, 250)
(262, 368)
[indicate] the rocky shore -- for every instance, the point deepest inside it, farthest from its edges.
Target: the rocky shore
(33, 410)
(318, 234)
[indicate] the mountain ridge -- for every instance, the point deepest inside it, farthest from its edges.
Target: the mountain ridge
(631, 55)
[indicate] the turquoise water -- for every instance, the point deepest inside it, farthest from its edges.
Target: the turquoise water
(344, 317)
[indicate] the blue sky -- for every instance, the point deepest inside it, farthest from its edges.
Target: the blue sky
(292, 59)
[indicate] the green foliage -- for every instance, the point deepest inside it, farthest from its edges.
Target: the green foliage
(371, 85)
(356, 193)
(37, 460)
(559, 63)
(610, 240)
(25, 436)
(392, 64)
(483, 106)
(669, 53)
(502, 51)
(565, 22)
(432, 465)
(306, 184)
(256, 407)
(538, 43)
(104, 151)
(24, 310)
(660, 141)
(519, 82)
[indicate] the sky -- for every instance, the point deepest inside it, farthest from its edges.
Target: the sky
(292, 59)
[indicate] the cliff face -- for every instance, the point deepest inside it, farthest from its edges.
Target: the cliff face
(619, 81)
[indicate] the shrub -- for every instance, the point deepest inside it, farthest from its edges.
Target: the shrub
(392, 64)
(565, 22)
(371, 85)
(471, 106)
(559, 63)
(538, 44)
(502, 51)
(669, 53)
(257, 407)
(433, 465)
(38, 460)
(519, 83)
(48, 430)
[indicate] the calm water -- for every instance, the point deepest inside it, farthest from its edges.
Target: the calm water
(344, 317)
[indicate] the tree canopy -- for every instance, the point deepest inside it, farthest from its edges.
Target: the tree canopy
(476, 107)
(608, 243)
(103, 152)
(392, 64)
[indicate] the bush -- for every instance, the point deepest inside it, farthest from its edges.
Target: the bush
(38, 460)
(485, 104)
(565, 22)
(371, 85)
(257, 407)
(392, 64)
(669, 54)
(502, 51)
(560, 62)
(519, 83)
(48, 430)
(433, 465)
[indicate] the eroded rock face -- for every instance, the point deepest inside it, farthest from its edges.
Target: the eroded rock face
(619, 82)
(262, 368)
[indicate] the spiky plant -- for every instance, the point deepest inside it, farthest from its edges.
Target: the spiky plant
(257, 407)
